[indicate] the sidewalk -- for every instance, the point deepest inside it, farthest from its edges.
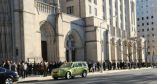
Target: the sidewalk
(41, 78)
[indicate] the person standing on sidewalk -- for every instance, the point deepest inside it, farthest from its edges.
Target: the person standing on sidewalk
(24, 69)
(13, 66)
(19, 69)
(7, 65)
(45, 68)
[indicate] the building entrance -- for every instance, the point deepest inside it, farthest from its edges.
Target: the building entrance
(70, 55)
(44, 50)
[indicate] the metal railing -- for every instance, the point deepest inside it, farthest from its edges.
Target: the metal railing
(45, 7)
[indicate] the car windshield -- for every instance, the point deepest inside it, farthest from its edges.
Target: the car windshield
(66, 65)
(2, 70)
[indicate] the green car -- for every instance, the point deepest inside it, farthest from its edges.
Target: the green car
(70, 70)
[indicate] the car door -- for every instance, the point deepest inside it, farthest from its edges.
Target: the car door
(2, 74)
(75, 69)
(80, 68)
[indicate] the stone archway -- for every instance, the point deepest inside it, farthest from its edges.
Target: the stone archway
(48, 42)
(73, 46)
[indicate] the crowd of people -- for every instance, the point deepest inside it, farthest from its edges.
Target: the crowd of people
(25, 69)
(107, 65)
(44, 68)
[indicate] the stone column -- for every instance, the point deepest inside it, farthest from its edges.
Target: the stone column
(116, 51)
(136, 45)
(127, 50)
(132, 49)
(110, 50)
(122, 56)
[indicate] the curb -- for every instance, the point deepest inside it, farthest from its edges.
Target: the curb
(35, 79)
(114, 71)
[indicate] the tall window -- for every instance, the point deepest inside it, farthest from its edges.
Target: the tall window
(152, 29)
(152, 23)
(152, 17)
(70, 10)
(95, 11)
(90, 9)
(153, 35)
(138, 25)
(95, 2)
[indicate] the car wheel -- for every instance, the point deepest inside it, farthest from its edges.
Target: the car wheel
(55, 78)
(68, 75)
(84, 74)
(9, 81)
(72, 77)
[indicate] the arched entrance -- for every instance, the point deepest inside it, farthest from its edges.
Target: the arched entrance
(47, 42)
(73, 46)
(44, 50)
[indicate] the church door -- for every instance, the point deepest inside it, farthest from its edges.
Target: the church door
(44, 50)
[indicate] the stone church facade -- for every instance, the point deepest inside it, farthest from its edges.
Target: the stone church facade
(49, 35)
(37, 31)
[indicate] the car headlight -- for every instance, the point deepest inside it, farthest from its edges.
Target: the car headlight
(61, 70)
(15, 74)
(55, 71)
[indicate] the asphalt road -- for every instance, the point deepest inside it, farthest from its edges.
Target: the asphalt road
(144, 76)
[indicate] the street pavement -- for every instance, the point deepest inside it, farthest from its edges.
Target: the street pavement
(137, 76)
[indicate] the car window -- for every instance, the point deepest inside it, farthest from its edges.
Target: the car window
(75, 65)
(79, 64)
(2, 70)
(84, 64)
(66, 65)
